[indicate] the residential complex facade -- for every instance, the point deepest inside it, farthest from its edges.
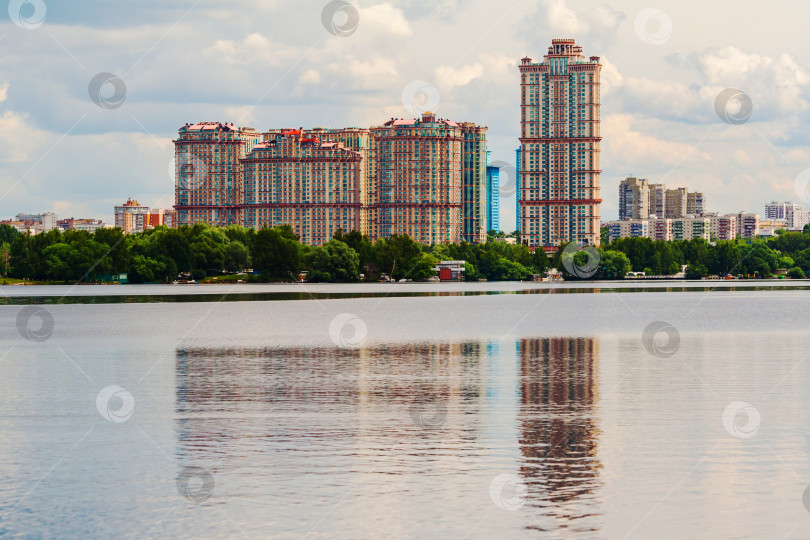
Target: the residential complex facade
(207, 165)
(779, 210)
(559, 147)
(639, 199)
(418, 180)
(709, 226)
(424, 177)
(661, 228)
(292, 178)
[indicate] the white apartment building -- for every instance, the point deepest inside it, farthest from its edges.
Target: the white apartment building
(629, 228)
(796, 218)
(722, 227)
(688, 228)
(691, 228)
(779, 210)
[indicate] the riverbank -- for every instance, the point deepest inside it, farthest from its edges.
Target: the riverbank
(241, 292)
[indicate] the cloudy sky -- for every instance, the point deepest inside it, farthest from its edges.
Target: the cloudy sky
(76, 141)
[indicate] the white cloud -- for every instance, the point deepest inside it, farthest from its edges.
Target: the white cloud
(447, 77)
(311, 76)
(4, 91)
(563, 19)
(383, 19)
(628, 146)
(254, 49)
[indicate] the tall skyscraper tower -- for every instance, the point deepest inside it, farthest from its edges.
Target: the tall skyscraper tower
(559, 147)
(493, 196)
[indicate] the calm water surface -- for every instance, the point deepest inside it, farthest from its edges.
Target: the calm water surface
(592, 415)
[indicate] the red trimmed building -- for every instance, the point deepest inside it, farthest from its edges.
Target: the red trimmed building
(559, 148)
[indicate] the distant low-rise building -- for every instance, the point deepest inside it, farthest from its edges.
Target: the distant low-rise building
(89, 225)
(46, 220)
(450, 270)
(629, 228)
(170, 218)
(31, 227)
(779, 210)
(797, 218)
(665, 229)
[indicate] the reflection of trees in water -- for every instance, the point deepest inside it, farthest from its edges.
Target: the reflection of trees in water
(558, 436)
(225, 396)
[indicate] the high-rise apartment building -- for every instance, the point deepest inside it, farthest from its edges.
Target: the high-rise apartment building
(517, 190)
(131, 217)
(474, 194)
(675, 205)
(493, 196)
(291, 178)
(638, 199)
(419, 180)
(358, 140)
(658, 200)
(695, 203)
(424, 177)
(559, 137)
(634, 199)
(207, 171)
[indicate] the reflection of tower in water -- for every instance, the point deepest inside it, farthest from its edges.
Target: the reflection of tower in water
(558, 438)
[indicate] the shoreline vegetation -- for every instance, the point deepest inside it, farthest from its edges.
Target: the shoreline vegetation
(274, 255)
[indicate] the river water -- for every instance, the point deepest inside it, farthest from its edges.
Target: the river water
(448, 411)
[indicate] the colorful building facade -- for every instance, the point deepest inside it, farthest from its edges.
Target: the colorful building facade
(207, 172)
(294, 179)
(423, 177)
(559, 152)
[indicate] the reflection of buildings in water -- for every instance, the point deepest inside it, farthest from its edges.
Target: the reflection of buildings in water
(559, 388)
(225, 396)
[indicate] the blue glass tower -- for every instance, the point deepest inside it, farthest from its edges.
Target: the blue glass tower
(493, 196)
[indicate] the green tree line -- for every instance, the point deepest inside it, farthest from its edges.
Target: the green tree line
(160, 254)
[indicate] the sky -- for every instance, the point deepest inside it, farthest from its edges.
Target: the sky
(708, 95)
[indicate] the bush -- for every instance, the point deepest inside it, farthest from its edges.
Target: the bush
(795, 273)
(198, 274)
(696, 271)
